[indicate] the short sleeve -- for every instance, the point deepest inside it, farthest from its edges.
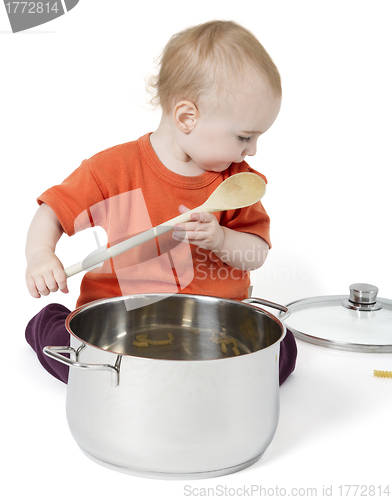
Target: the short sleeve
(72, 199)
(253, 219)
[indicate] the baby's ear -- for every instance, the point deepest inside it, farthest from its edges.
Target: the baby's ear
(185, 115)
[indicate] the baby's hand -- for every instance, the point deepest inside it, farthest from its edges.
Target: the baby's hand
(45, 274)
(203, 231)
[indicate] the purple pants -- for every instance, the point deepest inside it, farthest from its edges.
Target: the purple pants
(48, 328)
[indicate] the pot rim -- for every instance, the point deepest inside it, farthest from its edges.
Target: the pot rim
(94, 303)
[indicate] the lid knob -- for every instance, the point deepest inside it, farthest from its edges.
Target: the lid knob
(362, 293)
(363, 297)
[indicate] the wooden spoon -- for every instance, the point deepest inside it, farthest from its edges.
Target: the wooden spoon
(237, 191)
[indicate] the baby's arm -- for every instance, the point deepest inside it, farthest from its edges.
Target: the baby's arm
(44, 273)
(243, 251)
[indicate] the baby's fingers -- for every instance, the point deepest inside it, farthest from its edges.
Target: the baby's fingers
(31, 286)
(45, 284)
(183, 209)
(51, 283)
(54, 280)
(202, 217)
(61, 279)
(40, 285)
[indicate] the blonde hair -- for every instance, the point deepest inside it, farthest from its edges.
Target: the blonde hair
(209, 57)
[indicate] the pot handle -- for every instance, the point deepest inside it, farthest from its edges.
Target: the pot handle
(54, 353)
(267, 303)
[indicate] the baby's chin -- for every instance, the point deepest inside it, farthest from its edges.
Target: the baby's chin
(220, 168)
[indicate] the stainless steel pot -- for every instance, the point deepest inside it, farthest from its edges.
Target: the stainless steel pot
(183, 387)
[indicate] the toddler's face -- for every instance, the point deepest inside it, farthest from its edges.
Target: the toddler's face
(229, 132)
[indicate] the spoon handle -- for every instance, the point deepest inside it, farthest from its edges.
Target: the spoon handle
(108, 253)
(186, 217)
(123, 246)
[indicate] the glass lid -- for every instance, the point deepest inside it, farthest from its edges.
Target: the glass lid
(359, 322)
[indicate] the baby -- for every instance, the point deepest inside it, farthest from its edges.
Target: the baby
(219, 92)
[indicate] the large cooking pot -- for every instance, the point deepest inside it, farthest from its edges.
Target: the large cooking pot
(183, 387)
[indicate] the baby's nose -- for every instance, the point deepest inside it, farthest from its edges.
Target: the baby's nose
(250, 149)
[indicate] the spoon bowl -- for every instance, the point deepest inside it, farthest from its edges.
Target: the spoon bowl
(238, 191)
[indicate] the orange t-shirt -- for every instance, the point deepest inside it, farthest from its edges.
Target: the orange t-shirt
(127, 190)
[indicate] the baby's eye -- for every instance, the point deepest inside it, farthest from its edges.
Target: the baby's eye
(243, 139)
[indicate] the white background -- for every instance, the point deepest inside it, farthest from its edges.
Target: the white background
(75, 86)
